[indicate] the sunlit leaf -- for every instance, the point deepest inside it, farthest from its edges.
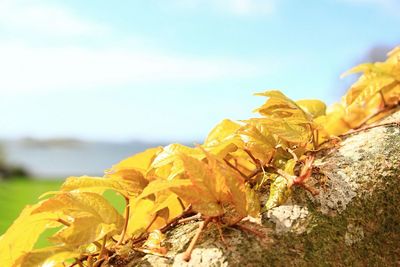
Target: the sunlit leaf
(280, 190)
(140, 162)
(168, 200)
(258, 140)
(92, 217)
(22, 235)
(253, 202)
(126, 182)
(279, 193)
(140, 217)
(289, 131)
(46, 257)
(217, 189)
(222, 149)
(334, 122)
(220, 132)
(83, 230)
(279, 105)
(314, 107)
(171, 153)
(160, 185)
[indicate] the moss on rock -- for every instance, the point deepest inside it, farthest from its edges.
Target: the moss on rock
(354, 221)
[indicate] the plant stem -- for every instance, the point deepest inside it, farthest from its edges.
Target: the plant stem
(181, 203)
(256, 161)
(188, 253)
(168, 226)
(151, 222)
(63, 222)
(127, 210)
(192, 218)
(90, 261)
(236, 169)
(103, 247)
(393, 123)
(314, 142)
(250, 230)
(97, 244)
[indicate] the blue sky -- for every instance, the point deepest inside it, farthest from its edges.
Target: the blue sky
(170, 70)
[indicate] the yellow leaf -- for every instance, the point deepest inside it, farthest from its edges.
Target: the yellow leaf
(164, 172)
(140, 161)
(371, 87)
(236, 188)
(92, 217)
(22, 235)
(131, 178)
(334, 123)
(280, 191)
(206, 206)
(242, 161)
(126, 182)
(161, 185)
(223, 148)
(47, 257)
(366, 67)
(79, 203)
(392, 95)
(279, 105)
(394, 54)
(323, 134)
(217, 189)
(289, 131)
(258, 140)
(167, 163)
(376, 77)
(165, 207)
(253, 202)
(171, 153)
(168, 200)
(140, 216)
(257, 132)
(220, 132)
(202, 193)
(314, 107)
(84, 230)
(210, 187)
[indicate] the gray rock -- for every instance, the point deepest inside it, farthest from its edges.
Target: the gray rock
(354, 221)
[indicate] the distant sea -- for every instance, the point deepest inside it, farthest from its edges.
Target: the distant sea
(55, 159)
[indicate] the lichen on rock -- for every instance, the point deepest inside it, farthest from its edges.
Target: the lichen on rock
(354, 221)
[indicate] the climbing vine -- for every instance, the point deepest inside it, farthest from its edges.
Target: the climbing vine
(217, 182)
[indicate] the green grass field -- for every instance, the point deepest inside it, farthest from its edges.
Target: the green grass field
(15, 194)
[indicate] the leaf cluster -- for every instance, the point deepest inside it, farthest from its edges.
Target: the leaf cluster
(219, 180)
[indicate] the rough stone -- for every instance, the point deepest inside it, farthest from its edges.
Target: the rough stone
(354, 221)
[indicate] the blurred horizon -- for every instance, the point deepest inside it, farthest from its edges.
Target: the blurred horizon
(171, 70)
(60, 158)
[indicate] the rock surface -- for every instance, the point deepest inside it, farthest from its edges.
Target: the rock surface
(354, 221)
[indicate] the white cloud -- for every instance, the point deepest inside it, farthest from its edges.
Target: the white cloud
(24, 68)
(28, 16)
(234, 7)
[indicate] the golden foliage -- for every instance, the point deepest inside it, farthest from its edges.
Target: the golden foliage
(218, 180)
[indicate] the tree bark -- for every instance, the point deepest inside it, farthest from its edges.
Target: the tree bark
(354, 221)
